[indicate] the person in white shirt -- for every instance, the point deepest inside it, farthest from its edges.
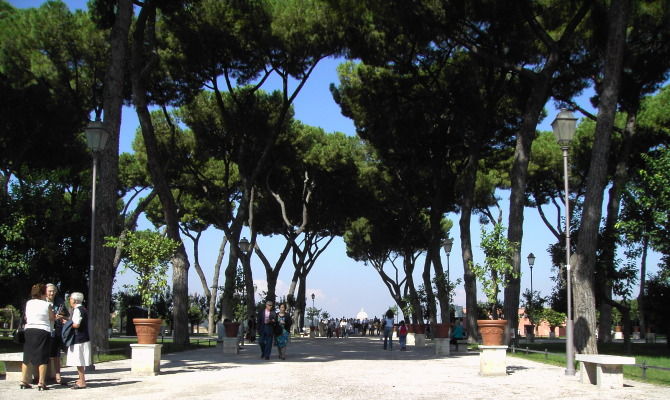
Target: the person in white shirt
(39, 318)
(388, 330)
(79, 353)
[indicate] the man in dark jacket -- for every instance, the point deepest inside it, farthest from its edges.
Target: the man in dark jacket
(265, 322)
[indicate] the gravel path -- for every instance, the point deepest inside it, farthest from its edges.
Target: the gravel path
(354, 368)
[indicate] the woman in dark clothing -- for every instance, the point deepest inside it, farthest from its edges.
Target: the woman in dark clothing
(39, 318)
(284, 320)
(59, 309)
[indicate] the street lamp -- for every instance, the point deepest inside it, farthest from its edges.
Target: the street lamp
(96, 138)
(448, 243)
(564, 127)
(244, 245)
(313, 308)
(531, 262)
(244, 249)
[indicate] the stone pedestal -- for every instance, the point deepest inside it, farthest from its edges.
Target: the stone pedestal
(420, 340)
(145, 359)
(651, 337)
(410, 339)
(442, 346)
(230, 345)
(312, 333)
(492, 360)
(618, 335)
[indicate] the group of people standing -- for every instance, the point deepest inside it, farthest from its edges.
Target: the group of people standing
(46, 321)
(273, 326)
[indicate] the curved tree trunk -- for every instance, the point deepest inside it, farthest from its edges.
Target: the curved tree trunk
(467, 204)
(587, 244)
(428, 285)
(107, 198)
(408, 264)
(211, 315)
(139, 71)
(517, 201)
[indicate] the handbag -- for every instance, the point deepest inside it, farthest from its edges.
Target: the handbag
(19, 336)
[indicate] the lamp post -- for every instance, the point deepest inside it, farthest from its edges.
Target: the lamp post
(531, 262)
(564, 127)
(244, 249)
(96, 138)
(313, 308)
(448, 243)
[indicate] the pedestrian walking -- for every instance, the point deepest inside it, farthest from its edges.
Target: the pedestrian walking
(284, 321)
(265, 322)
(402, 336)
(388, 330)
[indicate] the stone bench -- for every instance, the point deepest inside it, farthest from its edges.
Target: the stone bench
(461, 341)
(603, 370)
(13, 363)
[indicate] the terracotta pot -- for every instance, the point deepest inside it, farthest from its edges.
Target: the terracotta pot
(419, 328)
(492, 331)
(618, 328)
(147, 329)
(441, 331)
(312, 328)
(231, 328)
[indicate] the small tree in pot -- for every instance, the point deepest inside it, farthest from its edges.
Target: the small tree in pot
(494, 274)
(554, 318)
(147, 253)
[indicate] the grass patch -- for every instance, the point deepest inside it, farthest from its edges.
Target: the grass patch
(656, 354)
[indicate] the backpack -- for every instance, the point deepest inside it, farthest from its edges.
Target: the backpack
(403, 330)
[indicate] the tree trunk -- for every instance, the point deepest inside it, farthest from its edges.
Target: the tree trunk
(584, 258)
(433, 254)
(469, 279)
(141, 67)
(408, 263)
(428, 285)
(605, 318)
(211, 315)
(106, 197)
(302, 292)
(609, 237)
(517, 201)
(643, 281)
(227, 297)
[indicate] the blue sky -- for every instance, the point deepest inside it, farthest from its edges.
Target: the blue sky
(342, 286)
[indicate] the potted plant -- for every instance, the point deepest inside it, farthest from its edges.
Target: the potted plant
(147, 253)
(533, 306)
(554, 318)
(408, 312)
(494, 275)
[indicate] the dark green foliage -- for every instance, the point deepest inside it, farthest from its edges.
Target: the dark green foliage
(657, 292)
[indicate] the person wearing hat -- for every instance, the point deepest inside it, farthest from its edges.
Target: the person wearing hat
(265, 324)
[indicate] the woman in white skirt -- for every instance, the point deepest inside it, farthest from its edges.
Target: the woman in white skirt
(79, 354)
